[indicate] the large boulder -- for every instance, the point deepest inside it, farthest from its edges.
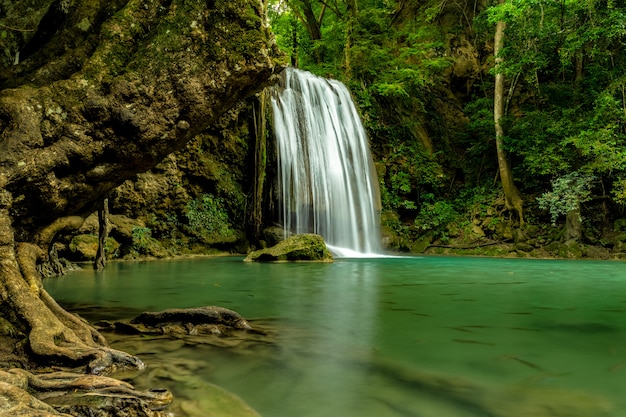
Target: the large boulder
(304, 247)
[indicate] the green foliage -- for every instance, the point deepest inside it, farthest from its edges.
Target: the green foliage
(538, 137)
(477, 139)
(285, 26)
(404, 69)
(409, 173)
(568, 193)
(111, 248)
(563, 63)
(436, 216)
(619, 190)
(166, 228)
(386, 59)
(478, 202)
(208, 218)
(145, 244)
(142, 237)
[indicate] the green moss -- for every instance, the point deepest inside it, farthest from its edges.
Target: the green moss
(420, 245)
(84, 246)
(145, 244)
(304, 247)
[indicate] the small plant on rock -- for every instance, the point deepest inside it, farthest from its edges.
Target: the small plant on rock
(208, 218)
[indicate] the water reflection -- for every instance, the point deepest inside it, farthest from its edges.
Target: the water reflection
(429, 337)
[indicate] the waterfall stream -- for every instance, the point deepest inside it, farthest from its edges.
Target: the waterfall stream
(327, 180)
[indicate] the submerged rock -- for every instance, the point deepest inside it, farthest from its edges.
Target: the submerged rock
(304, 247)
(185, 321)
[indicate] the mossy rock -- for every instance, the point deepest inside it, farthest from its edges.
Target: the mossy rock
(619, 225)
(597, 252)
(552, 247)
(523, 247)
(574, 250)
(85, 247)
(122, 227)
(273, 235)
(421, 244)
(304, 247)
(567, 250)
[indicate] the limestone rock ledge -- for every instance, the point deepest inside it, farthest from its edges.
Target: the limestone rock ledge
(303, 247)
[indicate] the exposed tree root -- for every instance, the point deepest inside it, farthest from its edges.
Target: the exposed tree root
(44, 394)
(54, 335)
(17, 402)
(54, 267)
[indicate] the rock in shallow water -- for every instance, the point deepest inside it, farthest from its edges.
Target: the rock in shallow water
(185, 321)
(304, 247)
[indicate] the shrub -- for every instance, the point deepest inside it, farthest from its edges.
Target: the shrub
(568, 193)
(436, 216)
(141, 238)
(208, 218)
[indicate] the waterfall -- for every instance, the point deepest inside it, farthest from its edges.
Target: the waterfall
(328, 184)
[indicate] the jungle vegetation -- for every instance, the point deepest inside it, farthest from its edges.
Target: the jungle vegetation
(483, 115)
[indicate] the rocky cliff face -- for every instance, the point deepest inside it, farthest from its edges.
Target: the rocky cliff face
(115, 87)
(155, 82)
(194, 201)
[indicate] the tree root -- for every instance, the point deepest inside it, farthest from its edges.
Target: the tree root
(54, 335)
(55, 267)
(76, 394)
(17, 402)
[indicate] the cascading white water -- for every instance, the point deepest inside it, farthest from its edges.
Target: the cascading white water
(327, 179)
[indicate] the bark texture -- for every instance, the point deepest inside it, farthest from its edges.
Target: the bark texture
(512, 196)
(105, 90)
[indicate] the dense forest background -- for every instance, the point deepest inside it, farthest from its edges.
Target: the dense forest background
(497, 127)
(483, 115)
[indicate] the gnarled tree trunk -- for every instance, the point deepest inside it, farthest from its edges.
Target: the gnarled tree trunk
(512, 197)
(104, 90)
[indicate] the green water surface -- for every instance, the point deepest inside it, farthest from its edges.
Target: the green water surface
(423, 337)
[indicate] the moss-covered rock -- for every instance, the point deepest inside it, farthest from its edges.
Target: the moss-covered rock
(421, 244)
(523, 247)
(567, 250)
(619, 225)
(272, 236)
(304, 247)
(84, 246)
